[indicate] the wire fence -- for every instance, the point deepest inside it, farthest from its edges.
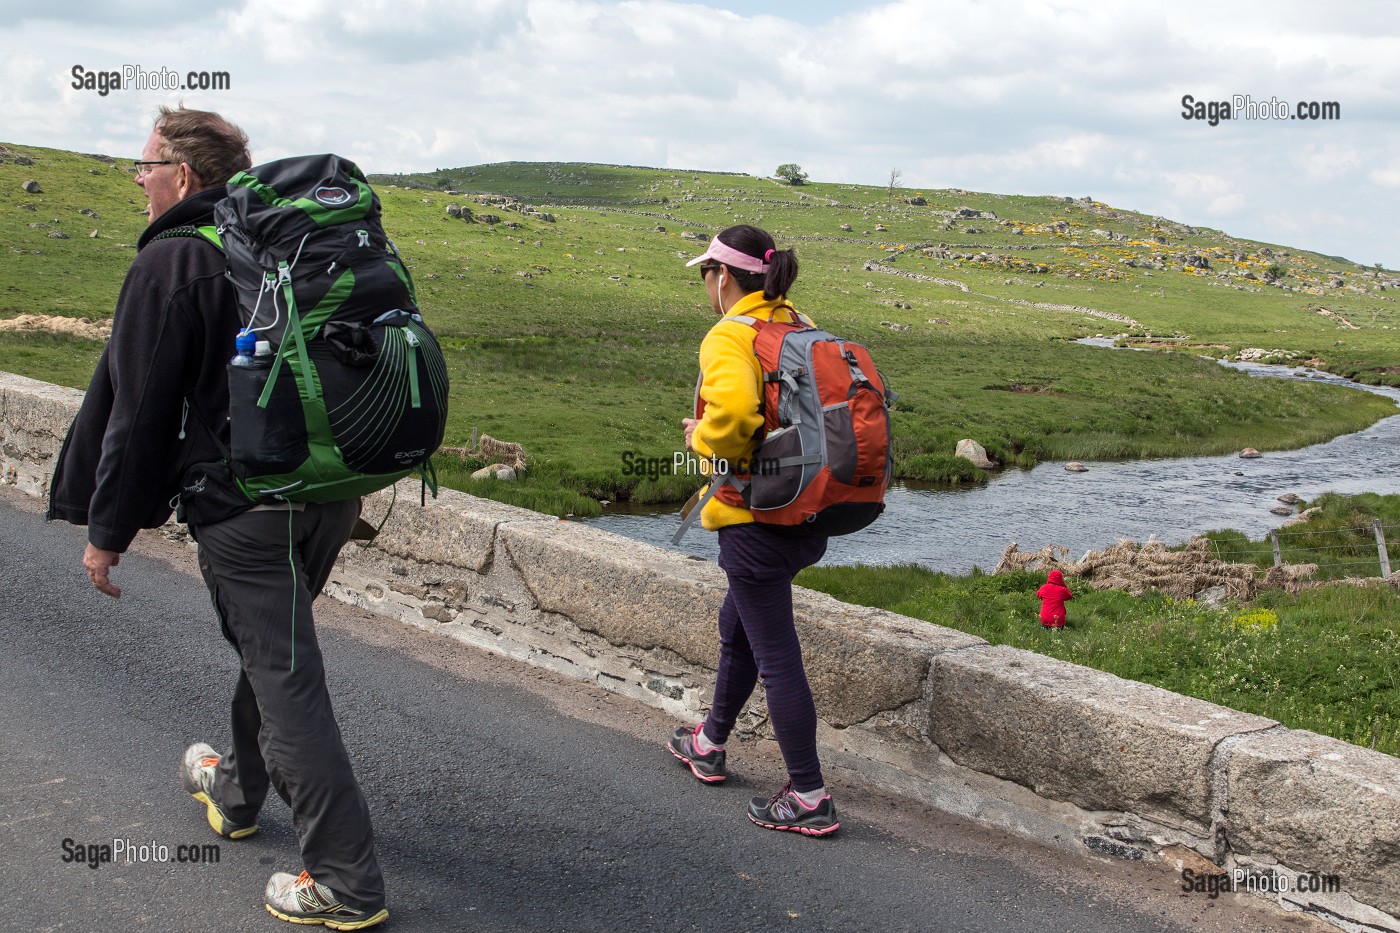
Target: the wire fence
(1359, 551)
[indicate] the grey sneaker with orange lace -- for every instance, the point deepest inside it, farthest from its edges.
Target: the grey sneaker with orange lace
(299, 899)
(197, 778)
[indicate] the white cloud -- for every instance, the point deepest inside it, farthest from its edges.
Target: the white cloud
(1046, 96)
(1210, 194)
(1387, 177)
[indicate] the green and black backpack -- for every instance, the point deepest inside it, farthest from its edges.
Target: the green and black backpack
(349, 393)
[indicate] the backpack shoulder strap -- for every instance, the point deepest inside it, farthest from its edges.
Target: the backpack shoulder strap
(207, 232)
(744, 319)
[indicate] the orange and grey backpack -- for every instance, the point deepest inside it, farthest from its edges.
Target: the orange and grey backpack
(823, 460)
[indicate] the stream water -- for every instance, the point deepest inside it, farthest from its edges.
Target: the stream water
(1173, 499)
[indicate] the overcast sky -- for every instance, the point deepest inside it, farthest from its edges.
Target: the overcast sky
(1067, 97)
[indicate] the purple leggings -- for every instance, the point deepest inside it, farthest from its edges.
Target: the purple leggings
(757, 638)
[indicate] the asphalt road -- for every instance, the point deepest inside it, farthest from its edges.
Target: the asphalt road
(504, 798)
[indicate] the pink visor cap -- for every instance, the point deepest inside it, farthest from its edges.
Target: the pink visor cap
(732, 257)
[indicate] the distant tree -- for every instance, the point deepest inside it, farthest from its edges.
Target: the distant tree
(894, 179)
(791, 173)
(1274, 273)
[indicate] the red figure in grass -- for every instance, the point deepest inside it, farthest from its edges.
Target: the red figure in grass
(1053, 596)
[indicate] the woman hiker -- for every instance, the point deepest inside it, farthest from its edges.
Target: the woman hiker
(746, 275)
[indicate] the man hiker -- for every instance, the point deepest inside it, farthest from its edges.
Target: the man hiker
(152, 429)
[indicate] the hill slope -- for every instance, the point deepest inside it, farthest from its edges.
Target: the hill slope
(571, 323)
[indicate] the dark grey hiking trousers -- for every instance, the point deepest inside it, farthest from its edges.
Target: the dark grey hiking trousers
(263, 569)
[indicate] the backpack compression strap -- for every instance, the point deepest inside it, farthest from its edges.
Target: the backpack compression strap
(717, 479)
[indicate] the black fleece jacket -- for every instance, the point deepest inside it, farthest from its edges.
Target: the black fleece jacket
(172, 337)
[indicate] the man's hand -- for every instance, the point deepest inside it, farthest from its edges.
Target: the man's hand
(689, 425)
(99, 563)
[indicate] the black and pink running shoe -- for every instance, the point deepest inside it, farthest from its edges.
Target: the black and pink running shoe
(785, 811)
(708, 767)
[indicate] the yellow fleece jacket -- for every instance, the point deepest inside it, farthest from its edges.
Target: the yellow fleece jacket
(731, 382)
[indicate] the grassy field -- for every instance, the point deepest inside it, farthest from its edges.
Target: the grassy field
(571, 324)
(1326, 660)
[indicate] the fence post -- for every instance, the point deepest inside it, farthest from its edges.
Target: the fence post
(1380, 547)
(1278, 555)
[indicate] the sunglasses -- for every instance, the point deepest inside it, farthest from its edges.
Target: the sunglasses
(707, 268)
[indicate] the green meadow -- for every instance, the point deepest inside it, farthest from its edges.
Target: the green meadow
(571, 324)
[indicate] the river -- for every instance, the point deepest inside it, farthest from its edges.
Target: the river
(1171, 500)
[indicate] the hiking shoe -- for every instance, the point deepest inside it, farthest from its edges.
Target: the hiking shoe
(708, 767)
(197, 778)
(785, 811)
(298, 899)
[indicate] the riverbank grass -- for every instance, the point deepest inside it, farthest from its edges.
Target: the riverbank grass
(1325, 660)
(1339, 539)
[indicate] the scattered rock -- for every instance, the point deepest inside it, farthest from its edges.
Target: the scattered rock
(58, 235)
(1282, 510)
(1213, 597)
(1289, 498)
(1249, 453)
(32, 187)
(1074, 466)
(498, 471)
(970, 450)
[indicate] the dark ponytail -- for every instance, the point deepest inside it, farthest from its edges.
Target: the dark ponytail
(782, 264)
